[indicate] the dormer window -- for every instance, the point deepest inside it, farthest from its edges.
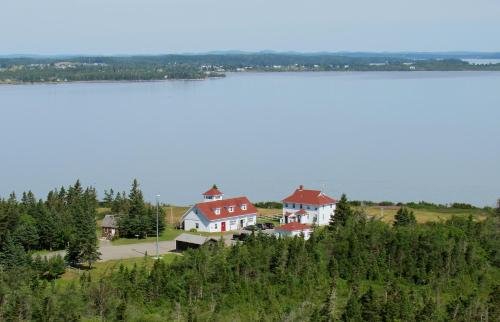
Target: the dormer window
(217, 211)
(231, 208)
(244, 206)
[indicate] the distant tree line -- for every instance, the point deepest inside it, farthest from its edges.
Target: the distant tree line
(136, 68)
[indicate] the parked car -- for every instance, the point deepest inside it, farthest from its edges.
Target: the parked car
(261, 226)
(252, 228)
(268, 225)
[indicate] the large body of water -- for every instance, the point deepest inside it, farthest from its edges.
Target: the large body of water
(376, 136)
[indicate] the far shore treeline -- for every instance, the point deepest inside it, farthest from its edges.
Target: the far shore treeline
(358, 268)
(200, 66)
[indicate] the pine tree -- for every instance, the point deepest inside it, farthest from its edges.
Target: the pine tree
(343, 211)
(404, 217)
(497, 210)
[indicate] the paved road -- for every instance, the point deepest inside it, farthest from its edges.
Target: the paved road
(109, 251)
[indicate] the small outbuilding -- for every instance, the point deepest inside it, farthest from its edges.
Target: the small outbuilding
(294, 229)
(109, 227)
(187, 241)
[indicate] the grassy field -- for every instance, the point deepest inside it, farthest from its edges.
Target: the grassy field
(424, 215)
(101, 268)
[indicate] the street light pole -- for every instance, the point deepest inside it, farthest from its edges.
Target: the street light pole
(157, 226)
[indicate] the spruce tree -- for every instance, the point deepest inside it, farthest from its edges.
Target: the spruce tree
(370, 306)
(343, 211)
(404, 217)
(83, 241)
(352, 312)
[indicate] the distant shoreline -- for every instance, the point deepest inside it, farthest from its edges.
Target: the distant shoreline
(17, 83)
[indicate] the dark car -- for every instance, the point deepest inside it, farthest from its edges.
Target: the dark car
(268, 225)
(261, 226)
(252, 228)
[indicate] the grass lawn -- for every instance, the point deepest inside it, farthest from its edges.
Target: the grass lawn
(168, 234)
(102, 268)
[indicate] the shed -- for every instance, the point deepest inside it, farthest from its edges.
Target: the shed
(186, 241)
(109, 226)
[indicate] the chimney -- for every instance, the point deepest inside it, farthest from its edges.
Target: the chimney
(301, 187)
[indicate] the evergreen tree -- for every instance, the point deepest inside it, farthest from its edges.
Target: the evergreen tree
(404, 217)
(109, 197)
(497, 209)
(343, 211)
(141, 218)
(329, 311)
(370, 306)
(26, 233)
(352, 312)
(82, 246)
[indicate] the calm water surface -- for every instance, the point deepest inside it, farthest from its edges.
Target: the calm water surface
(377, 136)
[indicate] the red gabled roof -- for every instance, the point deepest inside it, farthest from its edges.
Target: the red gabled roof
(292, 226)
(207, 209)
(310, 197)
(212, 192)
(301, 212)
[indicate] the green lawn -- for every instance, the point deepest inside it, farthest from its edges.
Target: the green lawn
(168, 234)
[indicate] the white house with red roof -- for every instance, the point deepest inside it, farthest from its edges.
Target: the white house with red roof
(293, 229)
(308, 207)
(216, 214)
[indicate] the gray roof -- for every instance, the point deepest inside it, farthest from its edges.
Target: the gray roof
(193, 239)
(109, 221)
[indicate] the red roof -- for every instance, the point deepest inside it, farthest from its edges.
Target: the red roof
(292, 226)
(310, 197)
(212, 192)
(301, 212)
(207, 209)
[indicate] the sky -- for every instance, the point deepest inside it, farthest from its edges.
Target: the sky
(175, 26)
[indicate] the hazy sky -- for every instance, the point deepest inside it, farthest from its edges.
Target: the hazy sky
(171, 26)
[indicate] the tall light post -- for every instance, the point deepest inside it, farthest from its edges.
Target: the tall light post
(157, 226)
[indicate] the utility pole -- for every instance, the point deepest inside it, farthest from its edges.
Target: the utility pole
(157, 226)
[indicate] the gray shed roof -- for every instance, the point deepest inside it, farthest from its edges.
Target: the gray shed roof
(109, 221)
(193, 239)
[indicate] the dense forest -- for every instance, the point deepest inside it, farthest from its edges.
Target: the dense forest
(200, 66)
(355, 269)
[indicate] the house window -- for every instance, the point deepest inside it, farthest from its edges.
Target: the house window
(300, 206)
(197, 225)
(217, 211)
(293, 206)
(286, 205)
(215, 226)
(308, 207)
(250, 220)
(316, 208)
(231, 209)
(244, 206)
